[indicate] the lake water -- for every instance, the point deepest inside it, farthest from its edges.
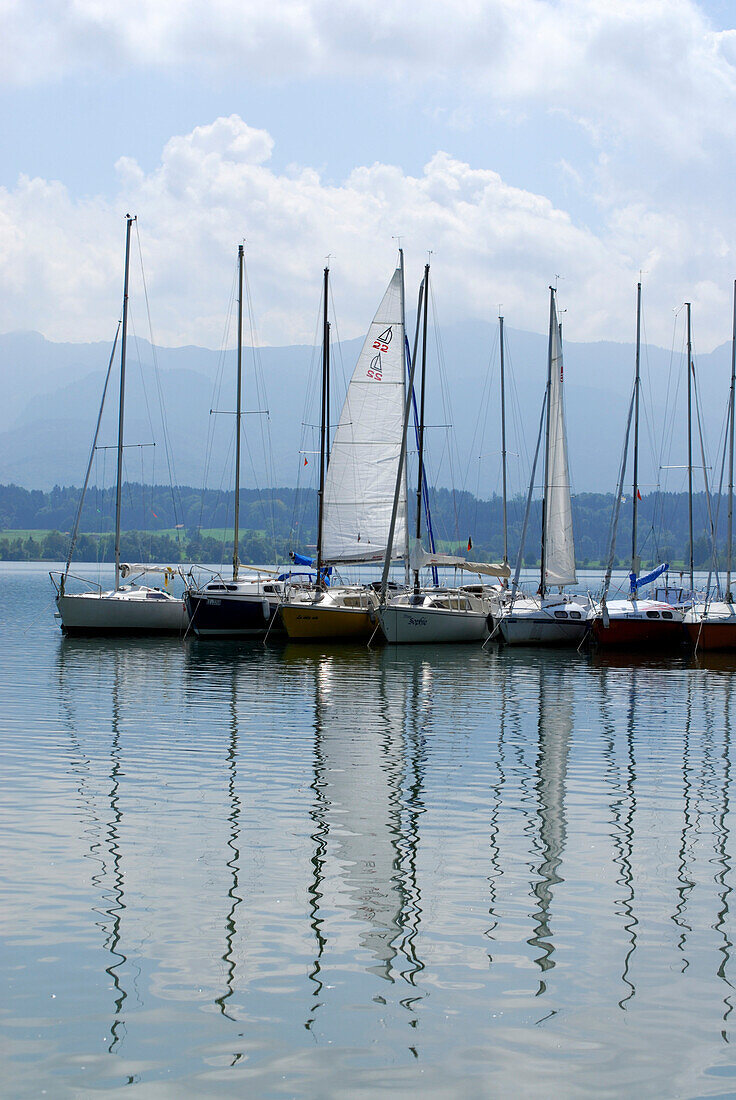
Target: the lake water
(232, 870)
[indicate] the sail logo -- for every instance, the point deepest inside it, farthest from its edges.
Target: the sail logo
(382, 342)
(375, 370)
(380, 345)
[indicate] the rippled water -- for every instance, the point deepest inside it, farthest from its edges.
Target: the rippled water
(231, 870)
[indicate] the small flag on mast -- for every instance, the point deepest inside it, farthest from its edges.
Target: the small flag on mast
(470, 544)
(638, 495)
(305, 461)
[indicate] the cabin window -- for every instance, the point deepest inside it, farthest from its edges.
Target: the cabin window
(652, 614)
(215, 587)
(268, 588)
(575, 615)
(232, 587)
(560, 614)
(666, 614)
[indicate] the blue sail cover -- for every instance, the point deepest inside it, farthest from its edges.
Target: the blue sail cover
(641, 581)
(302, 559)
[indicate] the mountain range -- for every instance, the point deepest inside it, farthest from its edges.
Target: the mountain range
(51, 395)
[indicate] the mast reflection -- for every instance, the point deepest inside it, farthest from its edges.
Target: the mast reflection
(105, 848)
(555, 731)
(622, 778)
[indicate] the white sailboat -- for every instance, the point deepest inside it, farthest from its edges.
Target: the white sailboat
(428, 616)
(357, 486)
(712, 623)
(127, 608)
(549, 619)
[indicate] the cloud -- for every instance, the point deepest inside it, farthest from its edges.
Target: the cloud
(654, 70)
(61, 257)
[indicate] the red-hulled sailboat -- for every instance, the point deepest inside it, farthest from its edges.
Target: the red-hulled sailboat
(633, 623)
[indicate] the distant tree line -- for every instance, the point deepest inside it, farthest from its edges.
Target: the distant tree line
(188, 524)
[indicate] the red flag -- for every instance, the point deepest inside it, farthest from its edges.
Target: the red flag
(638, 495)
(305, 462)
(470, 544)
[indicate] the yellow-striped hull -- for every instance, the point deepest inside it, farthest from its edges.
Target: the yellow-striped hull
(312, 621)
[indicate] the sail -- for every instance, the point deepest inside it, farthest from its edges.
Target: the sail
(559, 548)
(361, 475)
(420, 559)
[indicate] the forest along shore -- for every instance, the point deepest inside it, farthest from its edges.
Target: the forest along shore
(189, 525)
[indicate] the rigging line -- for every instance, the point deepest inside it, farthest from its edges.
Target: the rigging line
(308, 431)
(648, 404)
(337, 342)
(159, 388)
(705, 468)
(262, 402)
(92, 454)
(667, 435)
(724, 430)
(216, 393)
(479, 434)
(617, 503)
(446, 408)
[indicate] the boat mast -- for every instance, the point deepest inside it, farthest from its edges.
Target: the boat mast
(406, 465)
(238, 414)
(503, 445)
(402, 454)
(323, 422)
(690, 444)
(121, 408)
(732, 409)
(552, 322)
(420, 474)
(637, 383)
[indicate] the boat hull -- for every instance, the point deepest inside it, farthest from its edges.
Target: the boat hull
(528, 630)
(233, 617)
(430, 625)
(90, 613)
(638, 633)
(712, 632)
(307, 622)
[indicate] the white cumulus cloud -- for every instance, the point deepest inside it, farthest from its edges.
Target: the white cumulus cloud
(61, 256)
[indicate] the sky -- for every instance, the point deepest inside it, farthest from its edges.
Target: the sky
(521, 142)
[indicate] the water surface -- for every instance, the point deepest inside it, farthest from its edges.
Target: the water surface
(235, 870)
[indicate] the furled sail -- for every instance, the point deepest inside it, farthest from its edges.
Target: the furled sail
(361, 475)
(420, 559)
(559, 547)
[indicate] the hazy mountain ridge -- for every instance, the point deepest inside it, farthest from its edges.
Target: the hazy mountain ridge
(51, 395)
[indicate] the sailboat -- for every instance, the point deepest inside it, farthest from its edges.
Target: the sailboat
(242, 607)
(712, 625)
(550, 619)
(356, 490)
(633, 622)
(127, 608)
(429, 615)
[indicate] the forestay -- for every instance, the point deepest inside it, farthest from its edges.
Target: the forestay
(361, 476)
(559, 547)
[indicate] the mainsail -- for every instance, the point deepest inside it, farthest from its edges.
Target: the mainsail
(559, 548)
(361, 476)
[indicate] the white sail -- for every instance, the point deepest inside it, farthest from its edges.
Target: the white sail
(361, 475)
(559, 547)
